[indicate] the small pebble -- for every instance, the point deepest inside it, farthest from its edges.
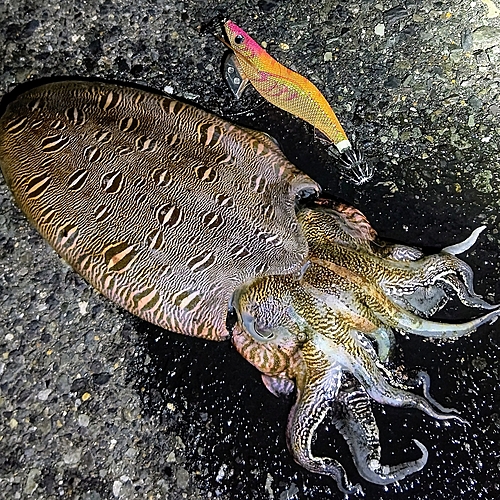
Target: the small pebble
(182, 478)
(221, 473)
(481, 181)
(475, 103)
(190, 96)
(393, 82)
(117, 486)
(466, 40)
(44, 395)
(485, 37)
(31, 482)
(73, 456)
(493, 10)
(395, 14)
(380, 29)
(494, 109)
(83, 420)
(479, 363)
(291, 492)
(83, 306)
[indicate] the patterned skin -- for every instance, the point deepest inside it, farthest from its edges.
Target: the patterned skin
(176, 215)
(141, 194)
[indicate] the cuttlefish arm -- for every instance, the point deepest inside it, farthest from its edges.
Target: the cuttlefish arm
(315, 392)
(334, 223)
(280, 358)
(341, 289)
(354, 419)
(352, 416)
(285, 331)
(418, 282)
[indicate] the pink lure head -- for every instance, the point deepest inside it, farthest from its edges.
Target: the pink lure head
(241, 42)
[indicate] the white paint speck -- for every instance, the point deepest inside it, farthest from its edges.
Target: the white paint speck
(83, 305)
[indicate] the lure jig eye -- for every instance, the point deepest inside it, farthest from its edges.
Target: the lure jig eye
(239, 39)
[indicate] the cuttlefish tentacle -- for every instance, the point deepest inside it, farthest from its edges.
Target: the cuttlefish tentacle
(313, 398)
(354, 419)
(363, 364)
(424, 380)
(465, 245)
(404, 252)
(316, 388)
(450, 270)
(331, 283)
(410, 323)
(399, 270)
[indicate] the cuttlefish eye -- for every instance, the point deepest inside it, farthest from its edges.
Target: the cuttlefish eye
(257, 332)
(239, 39)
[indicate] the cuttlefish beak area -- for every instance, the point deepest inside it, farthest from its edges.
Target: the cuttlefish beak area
(326, 335)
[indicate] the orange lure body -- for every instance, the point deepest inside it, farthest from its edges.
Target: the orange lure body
(283, 87)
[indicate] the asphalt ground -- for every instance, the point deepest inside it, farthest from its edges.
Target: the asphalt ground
(96, 404)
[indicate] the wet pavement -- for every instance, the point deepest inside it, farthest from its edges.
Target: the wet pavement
(96, 404)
